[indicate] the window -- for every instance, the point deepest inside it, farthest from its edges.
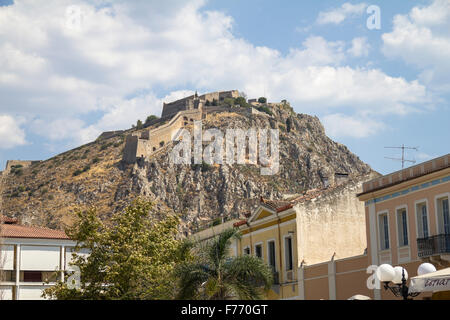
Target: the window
(32, 276)
(422, 220)
(384, 231)
(446, 216)
(443, 215)
(288, 252)
(247, 250)
(258, 250)
(402, 224)
(7, 275)
(271, 248)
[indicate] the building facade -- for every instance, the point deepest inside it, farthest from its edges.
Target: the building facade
(31, 259)
(328, 247)
(305, 230)
(407, 217)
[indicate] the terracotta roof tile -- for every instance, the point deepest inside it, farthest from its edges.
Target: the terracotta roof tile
(239, 223)
(18, 231)
(8, 220)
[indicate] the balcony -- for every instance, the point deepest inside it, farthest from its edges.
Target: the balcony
(434, 245)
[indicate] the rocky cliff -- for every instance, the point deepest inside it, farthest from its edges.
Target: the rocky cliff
(94, 175)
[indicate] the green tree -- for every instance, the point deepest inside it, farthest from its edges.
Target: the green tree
(139, 125)
(262, 100)
(215, 275)
(133, 257)
(150, 118)
(240, 101)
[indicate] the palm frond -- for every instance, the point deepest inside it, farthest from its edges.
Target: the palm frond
(218, 248)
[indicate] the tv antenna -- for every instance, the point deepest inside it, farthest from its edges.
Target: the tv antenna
(403, 160)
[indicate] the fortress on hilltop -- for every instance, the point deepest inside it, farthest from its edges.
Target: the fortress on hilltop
(175, 115)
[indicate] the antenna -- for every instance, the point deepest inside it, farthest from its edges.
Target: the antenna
(403, 160)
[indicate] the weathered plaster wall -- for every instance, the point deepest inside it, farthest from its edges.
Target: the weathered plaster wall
(332, 223)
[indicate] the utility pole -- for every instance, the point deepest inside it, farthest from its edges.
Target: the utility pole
(403, 160)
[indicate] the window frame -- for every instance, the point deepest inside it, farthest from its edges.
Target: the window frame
(399, 222)
(275, 268)
(286, 262)
(379, 214)
(416, 217)
(437, 198)
(262, 249)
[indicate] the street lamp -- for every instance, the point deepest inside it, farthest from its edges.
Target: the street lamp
(398, 276)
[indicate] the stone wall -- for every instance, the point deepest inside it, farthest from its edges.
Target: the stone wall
(23, 163)
(151, 141)
(109, 134)
(182, 113)
(190, 103)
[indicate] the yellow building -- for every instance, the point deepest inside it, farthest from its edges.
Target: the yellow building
(304, 229)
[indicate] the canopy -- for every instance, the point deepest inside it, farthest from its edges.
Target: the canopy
(434, 281)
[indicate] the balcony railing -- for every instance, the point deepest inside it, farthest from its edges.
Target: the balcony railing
(433, 245)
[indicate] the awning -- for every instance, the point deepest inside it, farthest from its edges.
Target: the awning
(359, 297)
(434, 281)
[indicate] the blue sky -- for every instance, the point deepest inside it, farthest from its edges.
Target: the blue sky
(72, 69)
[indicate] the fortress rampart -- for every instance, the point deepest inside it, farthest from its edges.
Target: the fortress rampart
(179, 114)
(20, 163)
(150, 141)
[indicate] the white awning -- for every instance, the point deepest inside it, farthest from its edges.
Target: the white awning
(434, 281)
(359, 297)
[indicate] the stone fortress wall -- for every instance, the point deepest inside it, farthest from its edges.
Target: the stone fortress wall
(147, 142)
(195, 102)
(23, 163)
(181, 113)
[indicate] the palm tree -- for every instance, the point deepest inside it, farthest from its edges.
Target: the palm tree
(211, 274)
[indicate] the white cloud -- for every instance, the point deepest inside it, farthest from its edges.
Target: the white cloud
(125, 52)
(338, 15)
(11, 134)
(360, 47)
(340, 125)
(422, 38)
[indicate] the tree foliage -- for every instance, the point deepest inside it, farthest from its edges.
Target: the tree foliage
(133, 257)
(214, 275)
(262, 100)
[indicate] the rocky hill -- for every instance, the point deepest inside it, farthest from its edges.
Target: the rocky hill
(45, 193)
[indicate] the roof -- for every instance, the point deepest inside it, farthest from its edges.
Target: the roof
(239, 223)
(276, 205)
(8, 220)
(283, 205)
(10, 229)
(419, 170)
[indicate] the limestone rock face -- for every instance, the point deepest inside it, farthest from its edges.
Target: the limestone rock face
(94, 175)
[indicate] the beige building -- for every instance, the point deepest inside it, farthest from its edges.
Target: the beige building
(407, 217)
(302, 230)
(407, 223)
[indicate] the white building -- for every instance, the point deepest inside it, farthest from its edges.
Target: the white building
(29, 258)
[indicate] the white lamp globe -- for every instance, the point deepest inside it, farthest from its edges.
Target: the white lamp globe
(425, 268)
(399, 274)
(385, 273)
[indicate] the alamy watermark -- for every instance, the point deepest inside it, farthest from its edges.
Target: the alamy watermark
(234, 146)
(374, 20)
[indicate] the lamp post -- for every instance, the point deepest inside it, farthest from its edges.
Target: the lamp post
(398, 277)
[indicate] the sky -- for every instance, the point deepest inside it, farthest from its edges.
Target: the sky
(376, 73)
